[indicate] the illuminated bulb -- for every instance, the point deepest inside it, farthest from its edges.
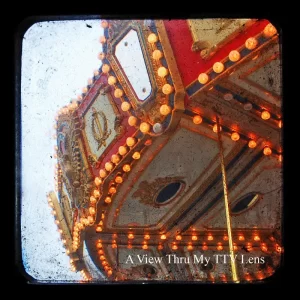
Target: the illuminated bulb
(106, 267)
(132, 120)
(118, 93)
(102, 39)
(101, 56)
(145, 247)
(148, 142)
(204, 247)
(203, 78)
(269, 30)
(251, 43)
(194, 238)
(136, 155)
(102, 216)
(280, 158)
(104, 24)
(218, 67)
(107, 200)
(144, 127)
(252, 144)
(115, 158)
(98, 229)
(114, 246)
(112, 80)
(280, 124)
(167, 89)
(160, 247)
(256, 238)
(90, 219)
(112, 190)
(96, 193)
(249, 247)
(108, 166)
(157, 54)
(99, 245)
(92, 210)
(163, 237)
(130, 236)
(68, 252)
(215, 128)
(147, 237)
(75, 239)
(122, 150)
(125, 106)
(235, 247)
(210, 237)
(162, 72)
(157, 128)
(102, 173)
(235, 136)
(178, 237)
(109, 272)
(264, 247)
(174, 247)
(165, 109)
(278, 248)
(100, 223)
(265, 115)
(220, 247)
(267, 151)
(93, 200)
(97, 181)
(118, 179)
(105, 68)
(102, 257)
(241, 238)
(225, 238)
(60, 231)
(190, 247)
(80, 226)
(152, 38)
(197, 119)
(234, 55)
(126, 168)
(129, 246)
(130, 141)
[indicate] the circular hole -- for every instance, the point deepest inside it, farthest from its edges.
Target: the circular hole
(168, 192)
(245, 202)
(207, 267)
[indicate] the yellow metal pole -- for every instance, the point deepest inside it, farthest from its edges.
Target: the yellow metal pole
(226, 202)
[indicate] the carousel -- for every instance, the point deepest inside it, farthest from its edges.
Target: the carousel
(169, 164)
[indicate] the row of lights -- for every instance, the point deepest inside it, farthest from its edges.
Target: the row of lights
(234, 56)
(235, 136)
(102, 258)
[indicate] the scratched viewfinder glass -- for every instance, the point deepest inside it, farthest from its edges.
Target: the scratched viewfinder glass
(151, 151)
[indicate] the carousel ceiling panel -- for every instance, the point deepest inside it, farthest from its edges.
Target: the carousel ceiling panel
(130, 56)
(99, 120)
(255, 202)
(172, 173)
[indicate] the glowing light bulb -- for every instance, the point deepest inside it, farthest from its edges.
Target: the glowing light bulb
(136, 155)
(90, 219)
(251, 43)
(107, 200)
(280, 124)
(108, 166)
(162, 72)
(129, 246)
(105, 68)
(102, 39)
(265, 115)
(269, 30)
(152, 38)
(252, 144)
(157, 54)
(220, 247)
(280, 158)
(104, 24)
(241, 238)
(160, 247)
(178, 237)
(130, 236)
(256, 238)
(263, 247)
(126, 168)
(122, 150)
(112, 80)
(102, 173)
(163, 237)
(99, 245)
(235, 247)
(130, 141)
(225, 238)
(93, 200)
(132, 120)
(235, 136)
(174, 247)
(147, 237)
(197, 119)
(218, 67)
(215, 128)
(194, 238)
(96, 193)
(144, 127)
(234, 55)
(125, 106)
(97, 181)
(204, 247)
(109, 272)
(102, 257)
(167, 89)
(267, 151)
(118, 93)
(112, 190)
(145, 246)
(203, 78)
(98, 229)
(115, 158)
(165, 109)
(118, 179)
(190, 247)
(210, 237)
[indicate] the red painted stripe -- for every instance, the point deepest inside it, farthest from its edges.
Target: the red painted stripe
(189, 63)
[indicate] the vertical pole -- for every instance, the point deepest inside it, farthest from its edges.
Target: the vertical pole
(226, 202)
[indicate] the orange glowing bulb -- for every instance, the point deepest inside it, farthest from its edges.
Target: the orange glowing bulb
(280, 158)
(157, 54)
(210, 237)
(98, 229)
(234, 55)
(190, 247)
(280, 124)
(118, 93)
(125, 106)
(162, 72)
(218, 67)
(220, 247)
(165, 109)
(111, 80)
(99, 245)
(203, 78)
(144, 127)
(130, 236)
(102, 173)
(126, 168)
(251, 43)
(96, 193)
(215, 128)
(225, 238)
(104, 24)
(132, 120)
(267, 151)
(256, 238)
(241, 238)
(92, 210)
(167, 89)
(97, 181)
(100, 252)
(118, 179)
(112, 190)
(252, 144)
(235, 247)
(130, 141)
(147, 237)
(152, 38)
(174, 247)
(265, 115)
(163, 237)
(105, 68)
(235, 136)
(122, 150)
(145, 247)
(136, 155)
(114, 246)
(197, 119)
(194, 238)
(178, 237)
(107, 200)
(160, 247)
(109, 272)
(264, 247)
(204, 247)
(108, 166)
(115, 158)
(269, 30)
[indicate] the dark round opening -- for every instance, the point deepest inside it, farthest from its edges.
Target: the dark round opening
(168, 192)
(245, 202)
(207, 267)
